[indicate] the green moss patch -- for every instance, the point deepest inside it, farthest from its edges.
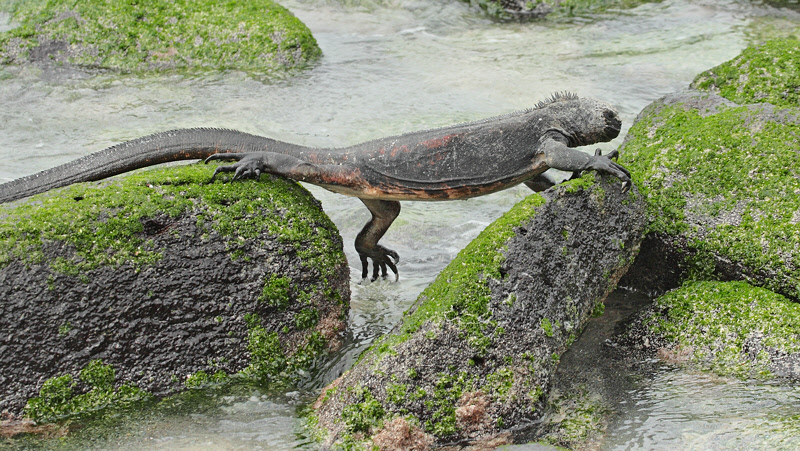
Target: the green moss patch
(57, 399)
(271, 362)
(769, 72)
(111, 224)
(728, 182)
(731, 328)
(256, 35)
(365, 414)
(577, 418)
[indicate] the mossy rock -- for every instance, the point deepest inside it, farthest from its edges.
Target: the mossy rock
(472, 359)
(156, 35)
(171, 281)
(722, 188)
(558, 9)
(769, 72)
(730, 328)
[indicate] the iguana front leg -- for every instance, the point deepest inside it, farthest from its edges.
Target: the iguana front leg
(559, 156)
(384, 213)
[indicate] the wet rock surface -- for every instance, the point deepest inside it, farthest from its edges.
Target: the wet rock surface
(473, 360)
(593, 378)
(729, 328)
(201, 305)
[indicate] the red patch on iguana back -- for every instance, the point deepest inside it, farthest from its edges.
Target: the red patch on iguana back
(442, 141)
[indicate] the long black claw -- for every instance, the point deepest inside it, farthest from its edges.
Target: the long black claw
(375, 269)
(382, 260)
(364, 267)
(616, 169)
(219, 170)
(393, 267)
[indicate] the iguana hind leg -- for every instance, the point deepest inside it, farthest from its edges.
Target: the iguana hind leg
(541, 182)
(383, 214)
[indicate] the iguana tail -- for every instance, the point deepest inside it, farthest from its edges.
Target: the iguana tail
(184, 144)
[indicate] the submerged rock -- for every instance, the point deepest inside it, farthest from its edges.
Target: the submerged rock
(257, 35)
(731, 328)
(472, 360)
(163, 281)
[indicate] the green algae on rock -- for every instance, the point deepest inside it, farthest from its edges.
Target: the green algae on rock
(470, 361)
(722, 186)
(168, 279)
(57, 399)
(258, 36)
(769, 72)
(731, 328)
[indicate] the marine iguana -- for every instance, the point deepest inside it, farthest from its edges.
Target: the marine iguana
(455, 162)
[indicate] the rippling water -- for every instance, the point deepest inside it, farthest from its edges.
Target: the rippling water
(388, 67)
(691, 411)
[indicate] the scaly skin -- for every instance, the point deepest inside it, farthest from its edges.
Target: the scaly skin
(456, 162)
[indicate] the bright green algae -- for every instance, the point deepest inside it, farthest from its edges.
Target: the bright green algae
(57, 399)
(714, 320)
(769, 72)
(269, 362)
(727, 181)
(256, 35)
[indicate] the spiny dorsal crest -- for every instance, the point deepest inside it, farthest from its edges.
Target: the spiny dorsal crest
(557, 97)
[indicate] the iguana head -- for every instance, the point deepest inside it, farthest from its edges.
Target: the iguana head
(583, 121)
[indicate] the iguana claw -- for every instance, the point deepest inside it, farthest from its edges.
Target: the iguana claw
(247, 166)
(381, 258)
(610, 166)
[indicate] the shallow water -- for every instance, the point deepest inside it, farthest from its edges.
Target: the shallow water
(391, 66)
(677, 409)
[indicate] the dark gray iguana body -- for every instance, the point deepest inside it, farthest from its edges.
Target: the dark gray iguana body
(455, 162)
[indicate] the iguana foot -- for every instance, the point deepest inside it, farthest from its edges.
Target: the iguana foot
(607, 164)
(248, 165)
(381, 259)
(383, 214)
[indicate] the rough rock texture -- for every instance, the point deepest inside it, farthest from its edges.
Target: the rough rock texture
(167, 280)
(731, 328)
(472, 360)
(723, 192)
